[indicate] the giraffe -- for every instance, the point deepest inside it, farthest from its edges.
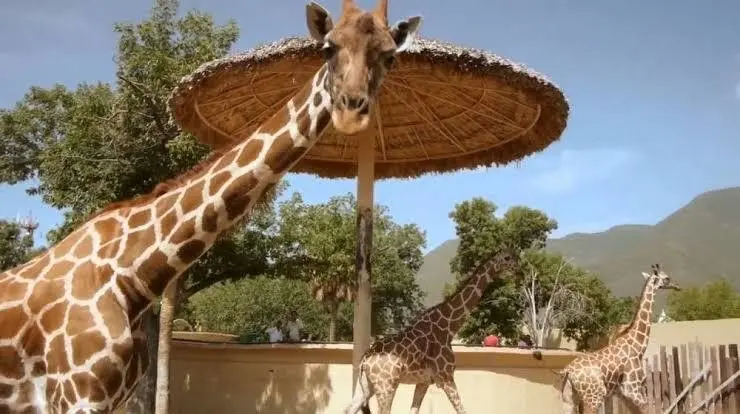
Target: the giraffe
(589, 379)
(70, 326)
(422, 353)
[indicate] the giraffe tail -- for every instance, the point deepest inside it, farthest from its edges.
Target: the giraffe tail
(566, 392)
(362, 394)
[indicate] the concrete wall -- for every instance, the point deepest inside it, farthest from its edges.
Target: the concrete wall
(212, 374)
(317, 378)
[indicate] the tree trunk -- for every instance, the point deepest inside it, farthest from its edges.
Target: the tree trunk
(333, 314)
(166, 315)
(142, 402)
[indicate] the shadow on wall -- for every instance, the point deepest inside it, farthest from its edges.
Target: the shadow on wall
(267, 387)
(289, 392)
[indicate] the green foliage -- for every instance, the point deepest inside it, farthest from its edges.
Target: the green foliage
(717, 299)
(15, 248)
(580, 303)
(247, 307)
(318, 245)
(481, 233)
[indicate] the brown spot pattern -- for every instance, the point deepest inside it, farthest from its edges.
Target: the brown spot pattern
(217, 181)
(88, 387)
(33, 341)
(193, 197)
(88, 279)
(185, 231)
(33, 270)
(135, 243)
(282, 153)
(52, 319)
(236, 197)
(191, 250)
(156, 273)
(112, 312)
(86, 345)
(168, 222)
(250, 152)
(140, 218)
(57, 356)
(225, 160)
(84, 248)
(11, 365)
(12, 321)
(44, 292)
(164, 204)
(11, 291)
(79, 320)
(107, 227)
(59, 269)
(109, 375)
(210, 219)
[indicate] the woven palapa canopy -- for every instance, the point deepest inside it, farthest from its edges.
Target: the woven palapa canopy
(441, 108)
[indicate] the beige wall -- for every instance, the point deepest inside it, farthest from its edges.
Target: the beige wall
(285, 378)
(212, 374)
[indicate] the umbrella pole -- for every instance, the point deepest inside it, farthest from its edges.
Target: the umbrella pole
(363, 303)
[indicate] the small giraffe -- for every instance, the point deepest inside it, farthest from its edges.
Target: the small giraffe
(589, 379)
(422, 353)
(70, 326)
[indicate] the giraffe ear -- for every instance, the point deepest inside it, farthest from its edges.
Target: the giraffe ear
(404, 32)
(319, 21)
(646, 275)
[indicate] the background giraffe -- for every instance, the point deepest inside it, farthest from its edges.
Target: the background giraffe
(422, 353)
(70, 337)
(590, 378)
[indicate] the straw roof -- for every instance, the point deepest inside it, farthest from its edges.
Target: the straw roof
(441, 108)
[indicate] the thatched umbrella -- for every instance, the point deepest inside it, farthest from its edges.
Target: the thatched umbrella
(441, 108)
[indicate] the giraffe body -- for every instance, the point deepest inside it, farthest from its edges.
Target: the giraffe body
(589, 379)
(70, 327)
(422, 353)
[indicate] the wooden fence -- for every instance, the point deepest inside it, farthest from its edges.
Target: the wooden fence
(690, 379)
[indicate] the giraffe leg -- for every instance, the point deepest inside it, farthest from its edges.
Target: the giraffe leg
(419, 392)
(632, 389)
(385, 399)
(448, 386)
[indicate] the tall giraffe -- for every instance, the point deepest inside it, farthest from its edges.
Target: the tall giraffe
(589, 379)
(422, 353)
(70, 326)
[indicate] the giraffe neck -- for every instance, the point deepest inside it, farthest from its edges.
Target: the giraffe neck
(163, 237)
(639, 331)
(459, 305)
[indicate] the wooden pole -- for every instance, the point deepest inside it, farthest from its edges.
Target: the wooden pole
(363, 304)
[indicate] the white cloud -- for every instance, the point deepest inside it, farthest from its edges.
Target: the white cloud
(573, 168)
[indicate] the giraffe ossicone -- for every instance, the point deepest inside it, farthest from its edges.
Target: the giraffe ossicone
(70, 326)
(588, 380)
(422, 353)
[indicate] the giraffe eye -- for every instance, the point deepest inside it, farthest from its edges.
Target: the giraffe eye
(388, 58)
(329, 50)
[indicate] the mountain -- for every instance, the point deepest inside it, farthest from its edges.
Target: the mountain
(697, 242)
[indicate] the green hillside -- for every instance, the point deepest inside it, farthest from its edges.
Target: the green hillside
(697, 242)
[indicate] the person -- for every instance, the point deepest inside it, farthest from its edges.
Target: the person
(274, 333)
(294, 326)
(490, 340)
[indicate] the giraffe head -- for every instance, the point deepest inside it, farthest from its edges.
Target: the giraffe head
(359, 50)
(659, 278)
(506, 260)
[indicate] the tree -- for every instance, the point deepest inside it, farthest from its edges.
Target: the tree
(481, 233)
(717, 299)
(549, 292)
(98, 143)
(247, 307)
(319, 247)
(551, 295)
(15, 247)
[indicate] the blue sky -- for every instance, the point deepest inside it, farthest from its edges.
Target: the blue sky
(654, 89)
